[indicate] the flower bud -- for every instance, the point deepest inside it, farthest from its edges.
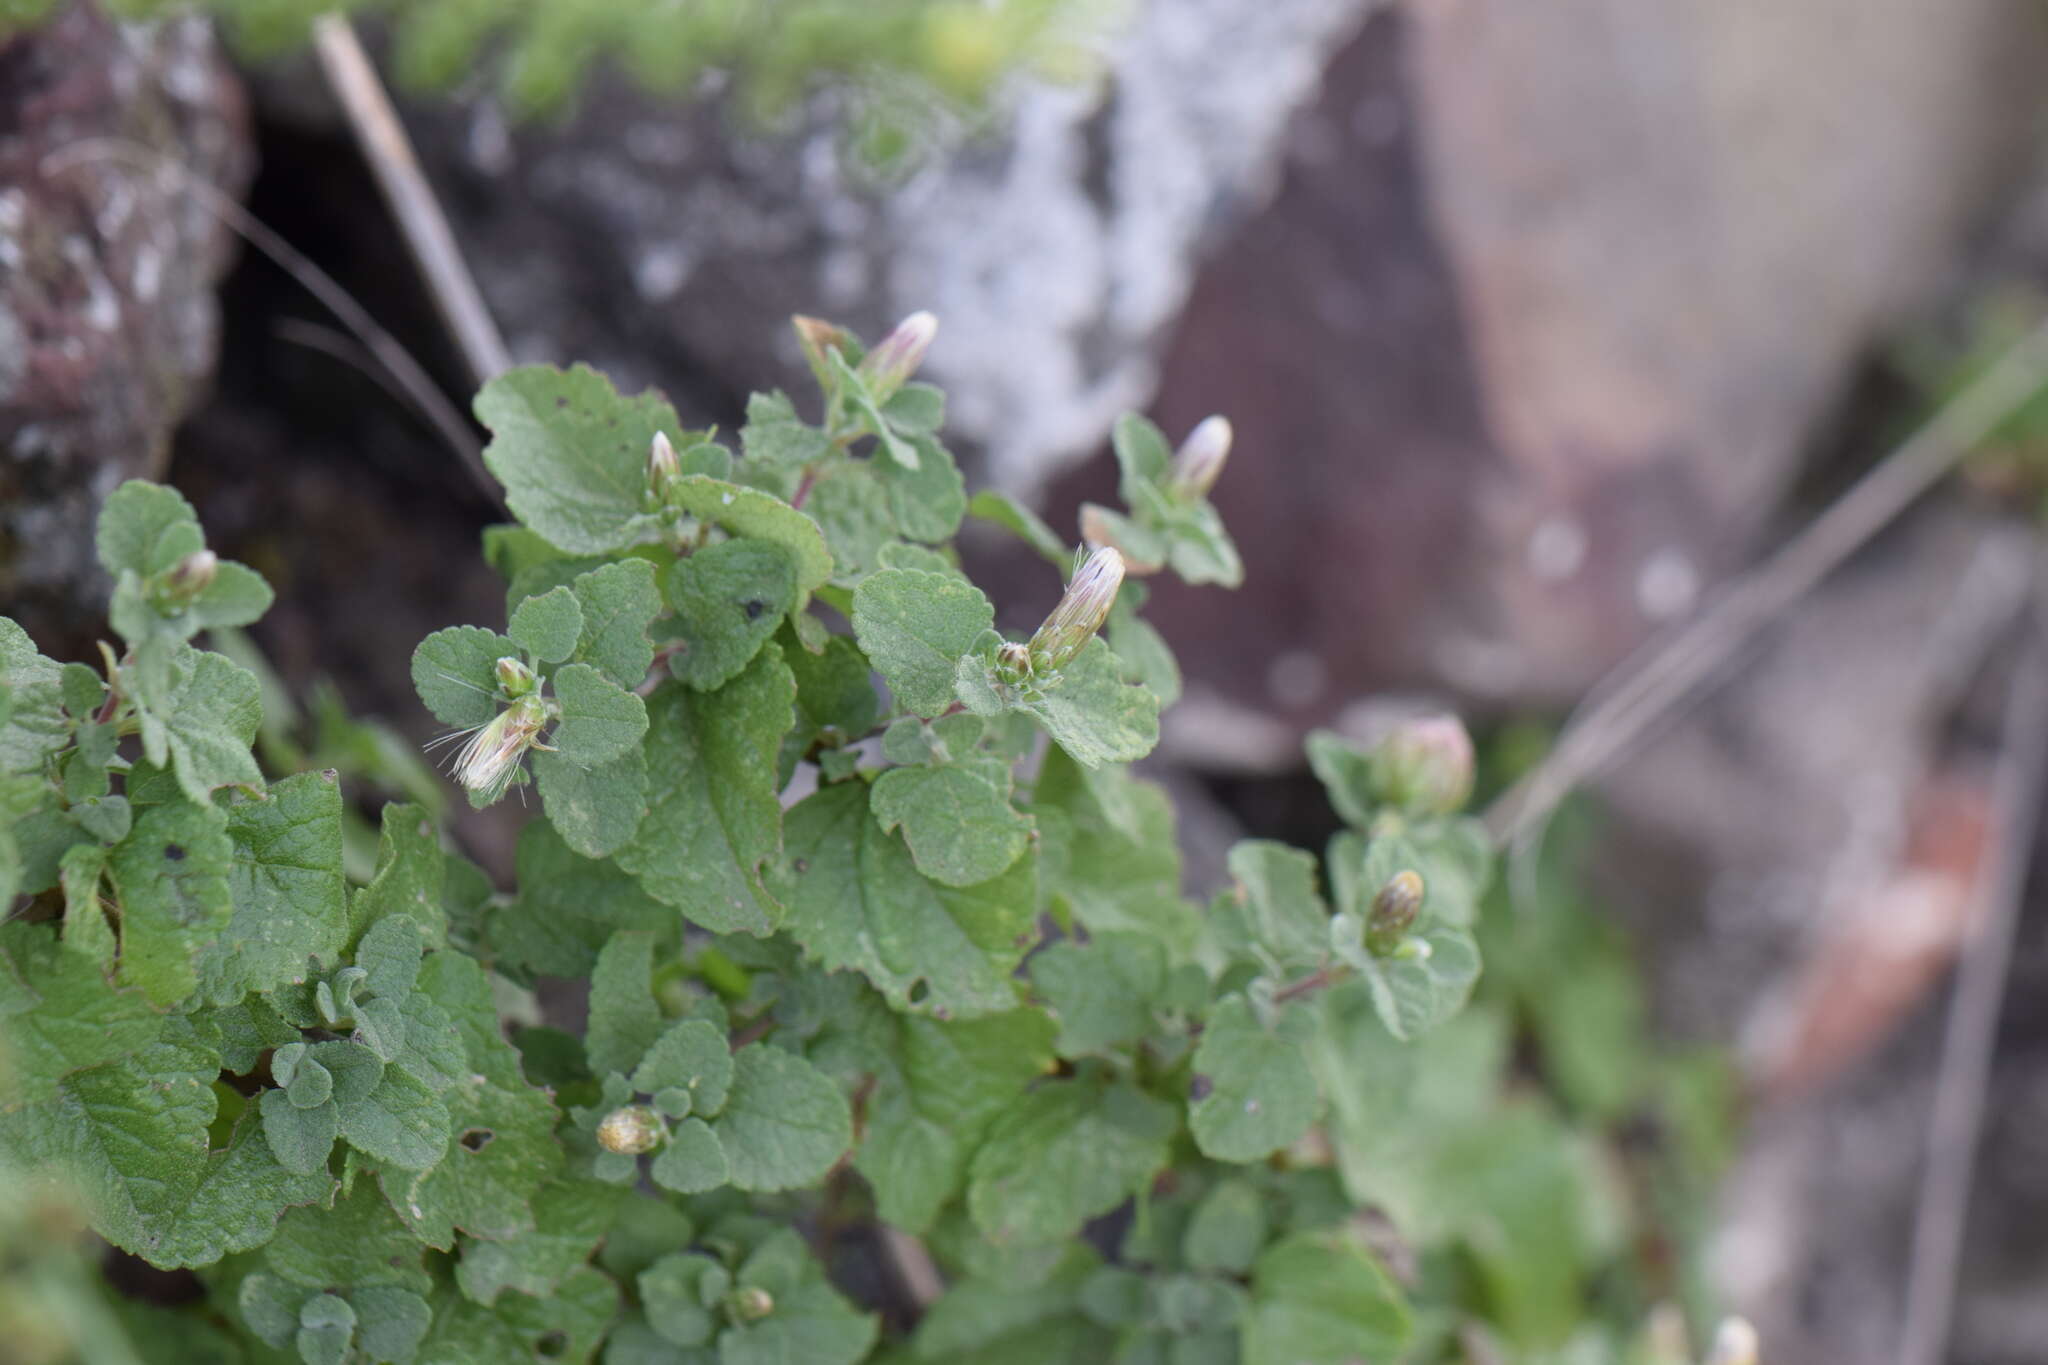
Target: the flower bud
(1015, 661)
(1735, 1343)
(1425, 766)
(515, 677)
(630, 1130)
(1199, 461)
(663, 468)
(1081, 611)
(1393, 910)
(897, 355)
(486, 763)
(189, 577)
(750, 1303)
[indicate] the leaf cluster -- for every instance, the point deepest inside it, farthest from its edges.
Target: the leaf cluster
(877, 925)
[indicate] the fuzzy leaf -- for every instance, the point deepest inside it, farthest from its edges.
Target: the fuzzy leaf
(776, 436)
(1227, 1229)
(569, 1217)
(691, 1056)
(1254, 1091)
(572, 453)
(624, 1020)
(568, 907)
(931, 1107)
(750, 514)
(1067, 1152)
(1319, 1299)
(928, 501)
(203, 724)
(287, 888)
(859, 901)
(915, 628)
(601, 721)
(784, 1123)
(835, 696)
(565, 1326)
(170, 877)
(618, 602)
(548, 626)
(851, 507)
(728, 600)
(455, 673)
(1425, 982)
(401, 1122)
(1005, 511)
(1092, 713)
(594, 807)
(716, 819)
(299, 1140)
(411, 871)
(1282, 909)
(957, 818)
(1103, 991)
(136, 526)
(692, 1161)
(811, 1323)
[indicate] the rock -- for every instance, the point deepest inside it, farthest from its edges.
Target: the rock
(667, 246)
(107, 268)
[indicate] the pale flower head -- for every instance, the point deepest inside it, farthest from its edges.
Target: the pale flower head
(1081, 612)
(897, 355)
(489, 759)
(1199, 461)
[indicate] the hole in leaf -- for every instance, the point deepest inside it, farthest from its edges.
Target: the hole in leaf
(175, 852)
(1199, 1088)
(919, 990)
(802, 865)
(551, 1344)
(753, 607)
(476, 1139)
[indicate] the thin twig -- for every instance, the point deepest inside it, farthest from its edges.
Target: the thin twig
(389, 152)
(395, 359)
(1971, 1036)
(1650, 682)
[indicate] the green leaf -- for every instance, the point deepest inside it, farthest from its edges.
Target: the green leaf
(32, 721)
(326, 1323)
(784, 1123)
(390, 952)
(1119, 870)
(777, 437)
(1346, 773)
(504, 1150)
(170, 877)
(1201, 550)
(140, 528)
(568, 907)
(618, 601)
(61, 1015)
(86, 929)
(716, 819)
(851, 508)
(410, 874)
(601, 721)
(394, 1322)
(355, 1244)
(566, 1326)
(1092, 713)
(1319, 1299)
(1143, 456)
(728, 600)
(835, 696)
(929, 500)
(237, 596)
(1146, 657)
(287, 888)
(595, 807)
(204, 723)
(455, 673)
(401, 1122)
(1103, 991)
(916, 409)
(999, 508)
(1227, 1229)
(691, 1056)
(299, 1140)
(915, 628)
(692, 1161)
(670, 1291)
(548, 626)
(933, 1104)
(241, 1194)
(129, 1138)
(811, 1323)
(749, 513)
(1285, 914)
(957, 818)
(624, 1020)
(1426, 980)
(1253, 1091)
(1069, 1151)
(572, 453)
(569, 1217)
(859, 901)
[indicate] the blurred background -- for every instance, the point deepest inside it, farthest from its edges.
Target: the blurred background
(1543, 328)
